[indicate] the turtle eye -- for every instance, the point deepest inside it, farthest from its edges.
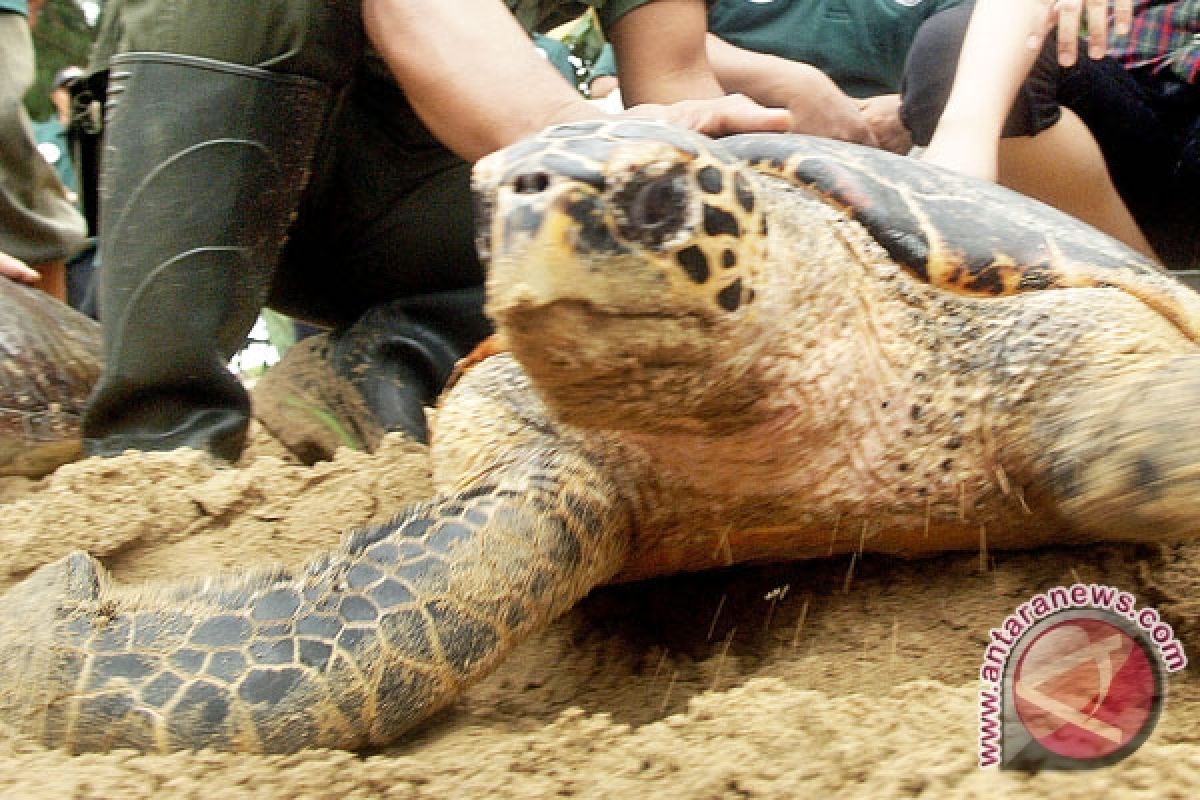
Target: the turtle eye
(654, 209)
(656, 203)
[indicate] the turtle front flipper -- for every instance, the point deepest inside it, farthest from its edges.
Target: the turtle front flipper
(361, 645)
(1124, 463)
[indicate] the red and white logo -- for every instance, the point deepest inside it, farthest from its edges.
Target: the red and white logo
(1074, 678)
(1084, 689)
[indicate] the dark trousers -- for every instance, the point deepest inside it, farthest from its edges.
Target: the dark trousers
(387, 216)
(1146, 124)
(1148, 127)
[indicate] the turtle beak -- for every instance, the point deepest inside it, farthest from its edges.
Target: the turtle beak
(525, 270)
(517, 194)
(539, 227)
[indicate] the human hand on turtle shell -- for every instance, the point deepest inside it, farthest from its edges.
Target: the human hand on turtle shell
(819, 107)
(717, 116)
(882, 114)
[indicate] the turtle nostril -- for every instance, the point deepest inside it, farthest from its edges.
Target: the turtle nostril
(531, 183)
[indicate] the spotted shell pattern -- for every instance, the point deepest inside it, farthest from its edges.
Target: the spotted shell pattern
(958, 234)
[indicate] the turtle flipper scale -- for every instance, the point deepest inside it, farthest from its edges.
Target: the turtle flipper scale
(357, 648)
(1123, 462)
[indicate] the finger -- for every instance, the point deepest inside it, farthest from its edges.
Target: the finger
(1041, 21)
(22, 275)
(17, 269)
(1097, 23)
(724, 121)
(737, 113)
(1122, 17)
(1068, 31)
(718, 116)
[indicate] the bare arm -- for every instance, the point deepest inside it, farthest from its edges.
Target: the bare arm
(434, 49)
(1001, 44)
(663, 66)
(997, 54)
(815, 102)
(602, 86)
(660, 53)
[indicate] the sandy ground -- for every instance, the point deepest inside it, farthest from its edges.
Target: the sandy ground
(798, 680)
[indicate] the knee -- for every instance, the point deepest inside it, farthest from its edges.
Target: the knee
(319, 39)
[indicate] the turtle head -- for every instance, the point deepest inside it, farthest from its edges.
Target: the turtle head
(621, 253)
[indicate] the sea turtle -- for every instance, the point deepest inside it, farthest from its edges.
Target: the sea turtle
(49, 361)
(765, 347)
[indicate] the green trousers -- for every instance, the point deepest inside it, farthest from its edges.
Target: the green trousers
(387, 214)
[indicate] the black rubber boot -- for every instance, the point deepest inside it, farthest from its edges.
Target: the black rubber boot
(203, 167)
(349, 387)
(84, 131)
(396, 364)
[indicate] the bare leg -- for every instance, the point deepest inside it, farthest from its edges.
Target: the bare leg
(1063, 167)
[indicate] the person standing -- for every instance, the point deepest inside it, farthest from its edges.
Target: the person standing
(51, 133)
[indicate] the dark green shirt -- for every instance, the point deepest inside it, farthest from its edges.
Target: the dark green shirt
(860, 44)
(54, 147)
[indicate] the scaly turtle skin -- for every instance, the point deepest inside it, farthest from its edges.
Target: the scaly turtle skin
(765, 348)
(49, 360)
